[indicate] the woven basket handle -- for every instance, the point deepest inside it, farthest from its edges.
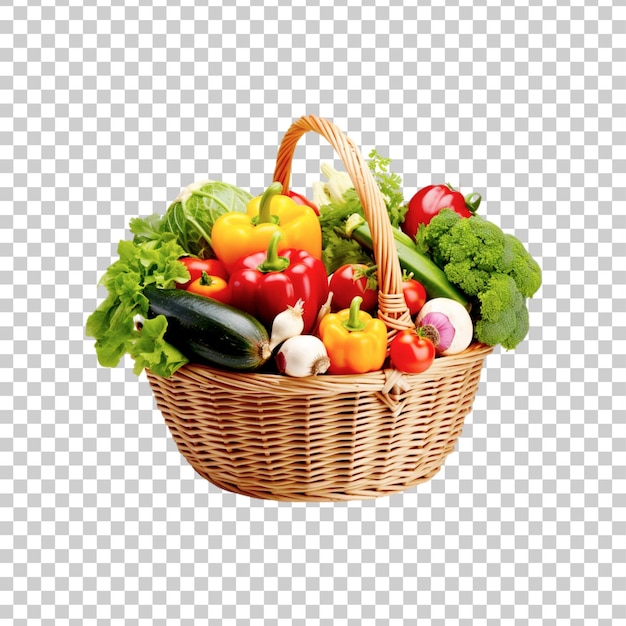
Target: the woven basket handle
(392, 307)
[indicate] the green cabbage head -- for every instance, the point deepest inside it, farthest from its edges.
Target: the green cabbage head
(192, 214)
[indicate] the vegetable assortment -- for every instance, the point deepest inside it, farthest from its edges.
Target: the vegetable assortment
(286, 285)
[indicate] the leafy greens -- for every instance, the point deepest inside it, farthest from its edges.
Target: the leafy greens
(152, 258)
(112, 324)
(337, 248)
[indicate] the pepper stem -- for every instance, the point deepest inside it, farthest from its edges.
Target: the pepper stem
(205, 279)
(265, 216)
(473, 201)
(354, 323)
(273, 262)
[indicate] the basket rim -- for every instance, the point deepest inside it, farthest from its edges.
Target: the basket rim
(383, 378)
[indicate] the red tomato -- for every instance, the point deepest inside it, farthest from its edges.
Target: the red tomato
(354, 279)
(414, 295)
(411, 353)
(211, 287)
(213, 267)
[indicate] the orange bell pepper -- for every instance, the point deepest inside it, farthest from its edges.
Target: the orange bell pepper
(235, 235)
(355, 341)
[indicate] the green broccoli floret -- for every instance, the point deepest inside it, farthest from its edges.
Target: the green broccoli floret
(503, 313)
(491, 267)
(524, 269)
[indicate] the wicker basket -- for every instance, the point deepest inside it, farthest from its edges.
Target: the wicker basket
(327, 437)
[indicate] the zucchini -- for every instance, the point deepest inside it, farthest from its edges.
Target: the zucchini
(209, 332)
(423, 268)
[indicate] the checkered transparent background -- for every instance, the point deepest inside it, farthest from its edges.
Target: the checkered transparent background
(107, 111)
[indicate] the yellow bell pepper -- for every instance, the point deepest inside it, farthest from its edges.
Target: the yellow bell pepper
(355, 341)
(235, 235)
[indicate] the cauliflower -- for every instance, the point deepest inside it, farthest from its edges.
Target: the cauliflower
(493, 268)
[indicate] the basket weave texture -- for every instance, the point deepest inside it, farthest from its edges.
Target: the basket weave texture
(325, 438)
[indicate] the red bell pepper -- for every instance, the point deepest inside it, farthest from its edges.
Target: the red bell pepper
(428, 201)
(265, 284)
(298, 198)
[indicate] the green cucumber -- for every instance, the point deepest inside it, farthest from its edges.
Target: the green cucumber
(210, 332)
(423, 268)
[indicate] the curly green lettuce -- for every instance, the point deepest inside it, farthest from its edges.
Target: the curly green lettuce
(112, 324)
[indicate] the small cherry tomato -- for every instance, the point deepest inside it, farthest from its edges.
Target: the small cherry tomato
(414, 295)
(411, 352)
(211, 287)
(354, 279)
(213, 267)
